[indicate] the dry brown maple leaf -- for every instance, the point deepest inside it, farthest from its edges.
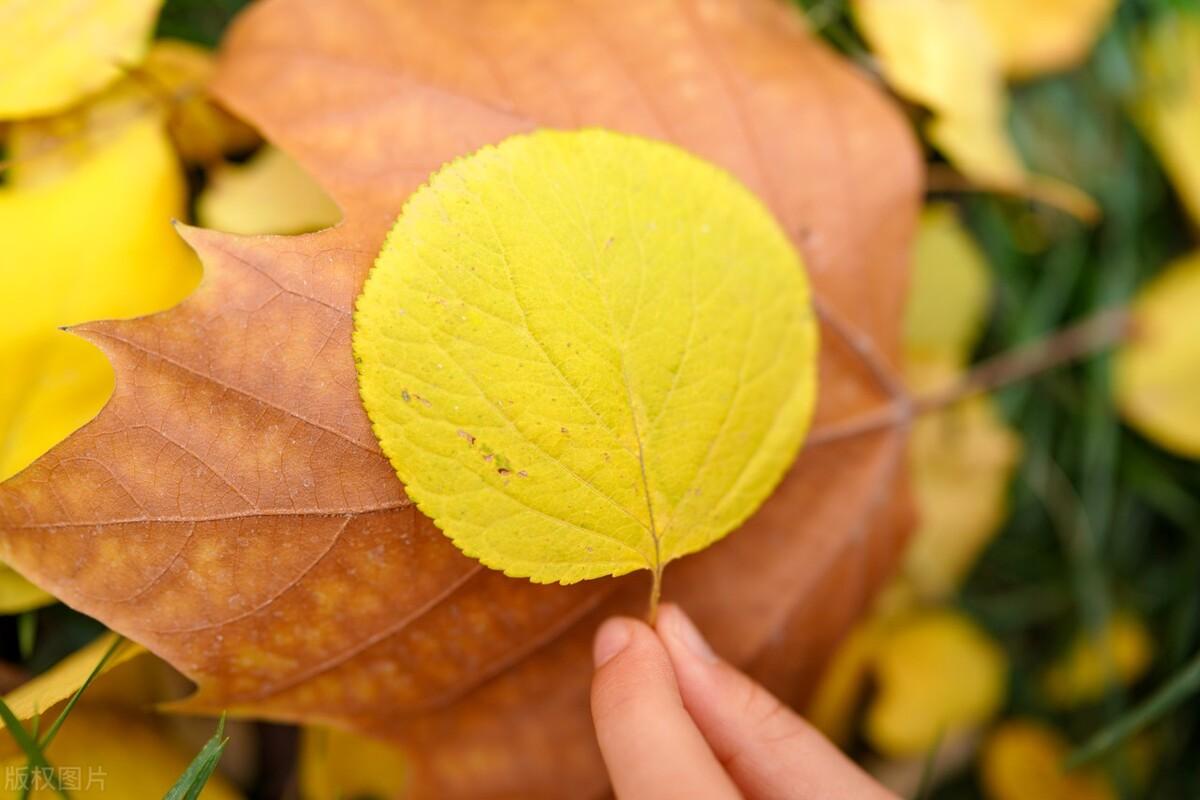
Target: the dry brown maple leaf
(230, 508)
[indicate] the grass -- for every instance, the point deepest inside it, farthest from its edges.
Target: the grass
(1101, 519)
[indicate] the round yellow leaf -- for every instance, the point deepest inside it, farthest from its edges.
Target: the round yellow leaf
(586, 353)
(54, 52)
(938, 674)
(1157, 374)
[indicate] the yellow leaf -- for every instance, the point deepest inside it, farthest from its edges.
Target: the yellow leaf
(937, 673)
(586, 353)
(950, 291)
(43, 693)
(844, 681)
(1023, 760)
(1119, 655)
(1033, 37)
(102, 753)
(1157, 373)
(18, 595)
(270, 193)
(336, 765)
(202, 131)
(89, 238)
(940, 54)
(1168, 104)
(961, 458)
(54, 52)
(961, 461)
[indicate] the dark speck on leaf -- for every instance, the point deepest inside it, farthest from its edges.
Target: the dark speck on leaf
(405, 396)
(470, 439)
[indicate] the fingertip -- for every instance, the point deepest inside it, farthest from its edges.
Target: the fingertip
(682, 636)
(611, 638)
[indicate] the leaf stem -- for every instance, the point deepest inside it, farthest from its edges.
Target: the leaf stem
(655, 593)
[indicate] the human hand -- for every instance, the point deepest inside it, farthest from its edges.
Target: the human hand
(674, 721)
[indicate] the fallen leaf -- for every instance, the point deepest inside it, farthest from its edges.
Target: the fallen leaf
(178, 73)
(335, 765)
(18, 595)
(961, 458)
(71, 254)
(100, 753)
(962, 461)
(1167, 105)
(270, 193)
(839, 695)
(55, 52)
(937, 673)
(1156, 375)
(1023, 760)
(1033, 37)
(950, 293)
(45, 695)
(1118, 656)
(940, 54)
(576, 373)
(230, 507)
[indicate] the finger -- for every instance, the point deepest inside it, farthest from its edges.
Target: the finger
(650, 745)
(769, 751)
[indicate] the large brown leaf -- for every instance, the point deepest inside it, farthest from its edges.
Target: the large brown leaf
(230, 508)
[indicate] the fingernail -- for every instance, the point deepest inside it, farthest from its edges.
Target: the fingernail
(687, 634)
(612, 638)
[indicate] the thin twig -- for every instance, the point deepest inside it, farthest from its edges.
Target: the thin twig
(1083, 339)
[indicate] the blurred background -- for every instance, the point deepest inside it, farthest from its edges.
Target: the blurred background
(1042, 637)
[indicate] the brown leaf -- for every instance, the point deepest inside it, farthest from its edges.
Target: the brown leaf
(230, 508)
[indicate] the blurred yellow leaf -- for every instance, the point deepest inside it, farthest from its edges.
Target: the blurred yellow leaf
(937, 673)
(1120, 654)
(335, 765)
(270, 193)
(87, 238)
(18, 594)
(840, 690)
(103, 753)
(1033, 37)
(961, 458)
(940, 54)
(43, 693)
(203, 132)
(1023, 760)
(54, 52)
(949, 293)
(1167, 106)
(1157, 373)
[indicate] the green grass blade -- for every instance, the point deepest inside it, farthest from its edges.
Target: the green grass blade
(1179, 688)
(32, 750)
(27, 634)
(50, 734)
(196, 776)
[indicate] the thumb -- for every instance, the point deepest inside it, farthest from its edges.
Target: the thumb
(768, 750)
(651, 747)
